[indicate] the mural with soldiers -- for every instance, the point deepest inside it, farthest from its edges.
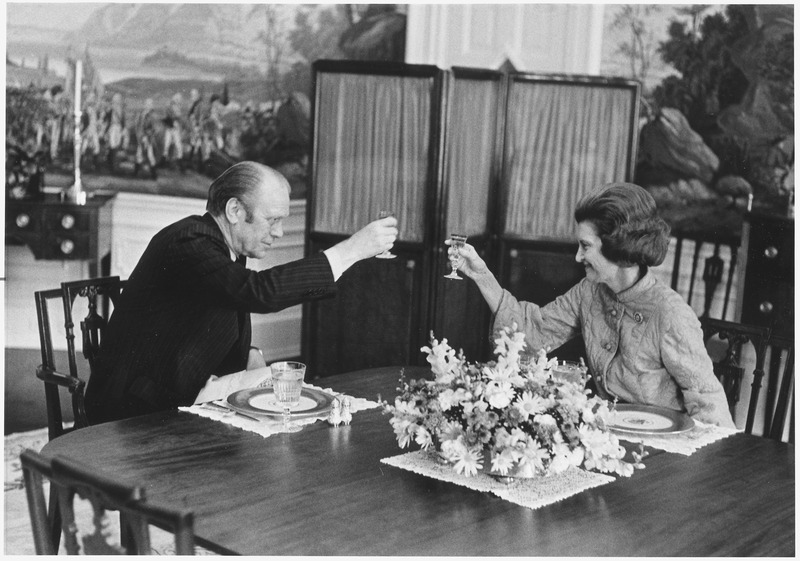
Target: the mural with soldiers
(160, 95)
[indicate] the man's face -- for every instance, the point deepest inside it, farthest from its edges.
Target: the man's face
(269, 206)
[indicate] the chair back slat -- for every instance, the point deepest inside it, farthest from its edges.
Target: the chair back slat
(97, 293)
(55, 421)
(105, 493)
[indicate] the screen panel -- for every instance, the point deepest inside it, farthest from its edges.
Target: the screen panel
(473, 108)
(372, 146)
(563, 138)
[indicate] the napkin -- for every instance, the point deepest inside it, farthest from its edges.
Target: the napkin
(220, 387)
(686, 443)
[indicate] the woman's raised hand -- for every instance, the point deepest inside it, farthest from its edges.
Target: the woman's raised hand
(471, 265)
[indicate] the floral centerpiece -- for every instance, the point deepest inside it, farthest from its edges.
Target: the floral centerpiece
(522, 420)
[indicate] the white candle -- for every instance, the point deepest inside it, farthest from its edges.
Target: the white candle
(78, 80)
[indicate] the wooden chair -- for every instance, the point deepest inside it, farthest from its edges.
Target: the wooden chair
(104, 493)
(729, 370)
(97, 293)
(779, 403)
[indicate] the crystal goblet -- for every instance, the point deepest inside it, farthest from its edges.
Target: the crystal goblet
(287, 383)
(457, 241)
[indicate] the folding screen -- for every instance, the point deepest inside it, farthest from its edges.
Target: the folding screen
(501, 158)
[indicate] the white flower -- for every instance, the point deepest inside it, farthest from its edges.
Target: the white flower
(423, 438)
(499, 395)
(563, 457)
(471, 407)
(443, 361)
(503, 462)
(530, 404)
(468, 461)
(404, 429)
(533, 455)
(405, 408)
(545, 419)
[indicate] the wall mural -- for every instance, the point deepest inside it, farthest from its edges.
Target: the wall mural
(175, 89)
(190, 88)
(717, 123)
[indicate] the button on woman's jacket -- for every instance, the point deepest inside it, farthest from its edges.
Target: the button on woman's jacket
(644, 345)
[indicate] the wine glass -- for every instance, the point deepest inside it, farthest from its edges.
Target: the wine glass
(386, 254)
(456, 241)
(287, 383)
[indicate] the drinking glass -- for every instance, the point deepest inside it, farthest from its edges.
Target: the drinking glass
(456, 241)
(569, 371)
(287, 382)
(386, 254)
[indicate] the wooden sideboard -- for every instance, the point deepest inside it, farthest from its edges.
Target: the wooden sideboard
(62, 231)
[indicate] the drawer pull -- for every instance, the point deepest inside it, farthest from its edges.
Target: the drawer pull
(514, 254)
(411, 264)
(22, 220)
(67, 221)
(67, 247)
(771, 252)
(765, 307)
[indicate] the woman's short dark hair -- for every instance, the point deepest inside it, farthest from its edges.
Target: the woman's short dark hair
(239, 182)
(627, 222)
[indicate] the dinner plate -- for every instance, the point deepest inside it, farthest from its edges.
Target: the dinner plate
(261, 401)
(631, 418)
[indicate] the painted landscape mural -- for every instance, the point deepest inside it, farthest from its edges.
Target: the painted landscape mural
(177, 87)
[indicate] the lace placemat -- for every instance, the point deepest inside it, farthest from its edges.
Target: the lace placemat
(686, 443)
(268, 426)
(531, 493)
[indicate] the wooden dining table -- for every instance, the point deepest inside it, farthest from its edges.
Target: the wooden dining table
(324, 491)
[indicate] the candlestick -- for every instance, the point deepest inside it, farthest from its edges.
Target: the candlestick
(76, 193)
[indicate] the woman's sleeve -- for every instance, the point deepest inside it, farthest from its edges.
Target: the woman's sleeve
(546, 326)
(686, 360)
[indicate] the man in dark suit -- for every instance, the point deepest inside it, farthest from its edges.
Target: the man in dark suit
(185, 311)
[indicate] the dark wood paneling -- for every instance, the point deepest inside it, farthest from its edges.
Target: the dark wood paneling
(461, 315)
(767, 296)
(374, 320)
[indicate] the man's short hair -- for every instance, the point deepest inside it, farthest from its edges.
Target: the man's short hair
(239, 182)
(627, 223)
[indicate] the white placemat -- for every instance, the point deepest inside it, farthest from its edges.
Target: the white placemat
(686, 443)
(269, 426)
(531, 493)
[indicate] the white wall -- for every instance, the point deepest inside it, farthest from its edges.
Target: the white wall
(562, 38)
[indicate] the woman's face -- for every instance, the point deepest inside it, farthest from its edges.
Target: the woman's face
(598, 268)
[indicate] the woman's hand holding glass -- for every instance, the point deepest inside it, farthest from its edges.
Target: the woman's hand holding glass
(468, 260)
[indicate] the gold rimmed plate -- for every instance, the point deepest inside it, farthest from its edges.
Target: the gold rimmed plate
(635, 419)
(261, 401)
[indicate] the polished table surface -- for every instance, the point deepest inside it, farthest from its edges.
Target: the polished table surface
(323, 491)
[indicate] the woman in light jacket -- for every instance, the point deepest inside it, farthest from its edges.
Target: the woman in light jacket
(644, 344)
